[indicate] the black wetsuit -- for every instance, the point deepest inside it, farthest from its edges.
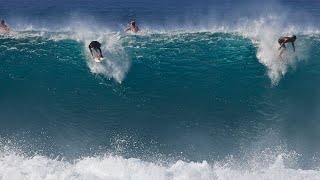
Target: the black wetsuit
(284, 40)
(281, 40)
(96, 46)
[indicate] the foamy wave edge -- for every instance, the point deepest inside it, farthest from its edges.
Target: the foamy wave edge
(14, 166)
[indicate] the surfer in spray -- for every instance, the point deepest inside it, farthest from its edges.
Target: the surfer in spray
(96, 46)
(283, 40)
(4, 27)
(133, 28)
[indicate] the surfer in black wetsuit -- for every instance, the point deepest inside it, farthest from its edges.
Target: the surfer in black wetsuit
(96, 46)
(283, 40)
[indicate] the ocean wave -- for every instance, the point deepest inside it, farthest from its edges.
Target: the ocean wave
(263, 33)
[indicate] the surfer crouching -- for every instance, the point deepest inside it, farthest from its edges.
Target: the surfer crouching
(96, 46)
(283, 40)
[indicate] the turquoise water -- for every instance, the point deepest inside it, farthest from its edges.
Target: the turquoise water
(207, 102)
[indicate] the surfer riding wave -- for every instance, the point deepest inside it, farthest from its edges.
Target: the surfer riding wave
(96, 46)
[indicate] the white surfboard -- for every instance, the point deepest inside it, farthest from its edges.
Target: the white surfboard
(98, 59)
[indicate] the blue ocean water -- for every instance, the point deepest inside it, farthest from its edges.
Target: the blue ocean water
(198, 94)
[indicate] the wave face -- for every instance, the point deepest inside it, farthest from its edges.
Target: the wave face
(207, 101)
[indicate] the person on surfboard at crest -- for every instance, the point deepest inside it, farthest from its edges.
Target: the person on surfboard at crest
(133, 28)
(96, 46)
(283, 40)
(3, 26)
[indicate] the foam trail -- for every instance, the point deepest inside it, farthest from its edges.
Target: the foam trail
(265, 32)
(116, 63)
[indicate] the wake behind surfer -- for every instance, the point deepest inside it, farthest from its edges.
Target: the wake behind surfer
(133, 28)
(4, 27)
(96, 46)
(283, 40)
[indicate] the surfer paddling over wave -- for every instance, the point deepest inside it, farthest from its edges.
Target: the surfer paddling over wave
(3, 27)
(133, 28)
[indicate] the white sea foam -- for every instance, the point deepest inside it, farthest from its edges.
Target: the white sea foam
(14, 167)
(265, 32)
(116, 63)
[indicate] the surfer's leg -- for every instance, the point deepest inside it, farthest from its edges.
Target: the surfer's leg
(281, 52)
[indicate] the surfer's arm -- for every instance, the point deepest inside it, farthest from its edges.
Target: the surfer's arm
(294, 49)
(284, 42)
(90, 50)
(127, 29)
(100, 53)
